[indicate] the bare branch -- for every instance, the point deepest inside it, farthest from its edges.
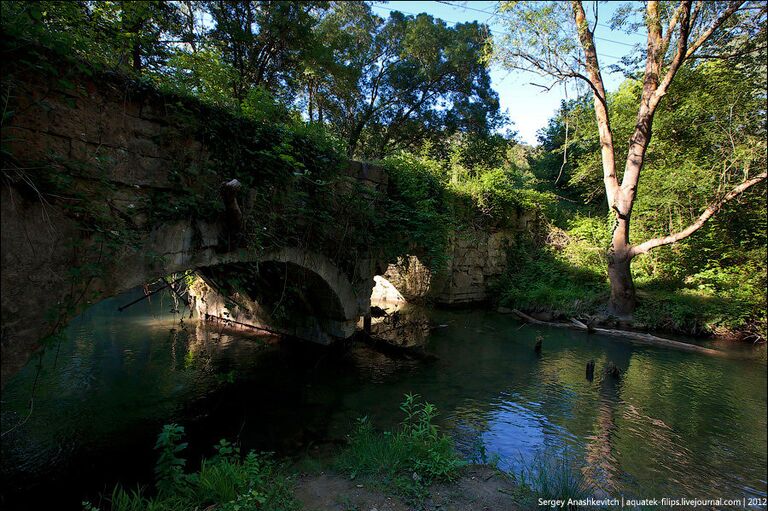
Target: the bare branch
(671, 28)
(730, 55)
(682, 45)
(733, 7)
(699, 223)
(601, 106)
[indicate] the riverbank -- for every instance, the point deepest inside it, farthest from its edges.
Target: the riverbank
(477, 487)
(560, 273)
(413, 467)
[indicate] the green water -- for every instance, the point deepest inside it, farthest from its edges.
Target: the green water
(674, 424)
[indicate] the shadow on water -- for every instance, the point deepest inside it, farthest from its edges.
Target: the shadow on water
(670, 424)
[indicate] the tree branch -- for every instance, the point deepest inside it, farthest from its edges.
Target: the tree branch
(601, 108)
(671, 27)
(682, 45)
(699, 223)
(733, 7)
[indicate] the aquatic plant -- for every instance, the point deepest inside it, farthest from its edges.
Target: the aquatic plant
(551, 476)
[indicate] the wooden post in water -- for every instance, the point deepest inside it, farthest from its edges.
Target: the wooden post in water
(612, 370)
(591, 370)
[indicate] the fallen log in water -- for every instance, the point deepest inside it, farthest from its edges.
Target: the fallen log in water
(635, 337)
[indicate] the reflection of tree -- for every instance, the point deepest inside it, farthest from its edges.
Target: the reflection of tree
(602, 465)
(698, 419)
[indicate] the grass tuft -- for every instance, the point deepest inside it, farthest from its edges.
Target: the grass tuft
(407, 460)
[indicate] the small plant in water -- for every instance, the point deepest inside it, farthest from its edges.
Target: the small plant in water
(551, 476)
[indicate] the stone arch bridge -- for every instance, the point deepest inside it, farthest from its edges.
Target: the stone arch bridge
(48, 261)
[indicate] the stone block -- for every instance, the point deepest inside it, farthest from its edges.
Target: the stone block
(144, 147)
(154, 110)
(32, 146)
(74, 123)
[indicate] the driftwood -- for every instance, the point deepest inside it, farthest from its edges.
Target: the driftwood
(147, 295)
(176, 292)
(581, 325)
(591, 369)
(635, 337)
(209, 317)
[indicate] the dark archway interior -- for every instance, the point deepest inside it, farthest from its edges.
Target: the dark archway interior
(282, 290)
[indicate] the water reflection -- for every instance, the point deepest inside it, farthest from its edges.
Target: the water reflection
(672, 424)
(394, 321)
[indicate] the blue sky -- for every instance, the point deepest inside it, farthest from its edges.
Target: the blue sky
(529, 108)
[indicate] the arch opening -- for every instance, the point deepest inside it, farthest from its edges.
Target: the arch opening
(396, 316)
(278, 296)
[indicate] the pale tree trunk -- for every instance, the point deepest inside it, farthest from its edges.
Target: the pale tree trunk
(619, 257)
(621, 198)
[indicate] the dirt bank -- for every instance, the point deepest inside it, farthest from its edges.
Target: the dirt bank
(478, 488)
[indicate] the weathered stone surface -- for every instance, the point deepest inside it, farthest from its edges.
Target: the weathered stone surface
(371, 175)
(476, 258)
(119, 149)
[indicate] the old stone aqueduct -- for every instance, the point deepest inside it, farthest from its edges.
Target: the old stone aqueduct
(86, 118)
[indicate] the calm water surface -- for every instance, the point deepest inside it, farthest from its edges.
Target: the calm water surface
(675, 424)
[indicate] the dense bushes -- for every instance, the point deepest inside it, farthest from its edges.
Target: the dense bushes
(708, 136)
(566, 274)
(406, 461)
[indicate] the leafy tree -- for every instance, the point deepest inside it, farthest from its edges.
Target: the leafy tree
(263, 41)
(129, 36)
(556, 40)
(391, 84)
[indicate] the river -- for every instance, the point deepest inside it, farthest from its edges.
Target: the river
(674, 424)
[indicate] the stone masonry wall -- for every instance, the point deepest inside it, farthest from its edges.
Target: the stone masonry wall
(476, 258)
(113, 145)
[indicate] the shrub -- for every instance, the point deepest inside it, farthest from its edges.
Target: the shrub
(407, 460)
(226, 481)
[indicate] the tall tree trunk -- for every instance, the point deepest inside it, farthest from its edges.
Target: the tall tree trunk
(309, 103)
(136, 54)
(354, 139)
(622, 287)
(619, 257)
(621, 198)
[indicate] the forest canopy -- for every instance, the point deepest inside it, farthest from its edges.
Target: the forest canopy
(380, 84)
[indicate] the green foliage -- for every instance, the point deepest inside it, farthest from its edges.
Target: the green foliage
(708, 135)
(407, 460)
(226, 481)
(500, 194)
(400, 80)
(417, 202)
(552, 279)
(120, 35)
(169, 470)
(551, 477)
(716, 300)
(379, 84)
